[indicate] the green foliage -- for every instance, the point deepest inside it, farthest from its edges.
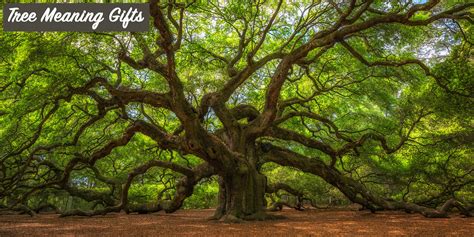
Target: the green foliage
(204, 196)
(39, 69)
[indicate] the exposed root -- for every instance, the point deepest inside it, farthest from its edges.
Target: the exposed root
(144, 209)
(78, 212)
(229, 218)
(278, 206)
(47, 208)
(263, 216)
(215, 217)
(19, 209)
(259, 216)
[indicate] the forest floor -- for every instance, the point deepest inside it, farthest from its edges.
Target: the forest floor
(194, 223)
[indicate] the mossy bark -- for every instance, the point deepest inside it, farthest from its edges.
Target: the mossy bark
(241, 194)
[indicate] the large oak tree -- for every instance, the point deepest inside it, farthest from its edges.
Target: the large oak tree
(221, 88)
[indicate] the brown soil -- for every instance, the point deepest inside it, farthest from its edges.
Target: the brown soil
(194, 223)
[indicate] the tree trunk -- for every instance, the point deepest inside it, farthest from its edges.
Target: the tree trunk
(241, 195)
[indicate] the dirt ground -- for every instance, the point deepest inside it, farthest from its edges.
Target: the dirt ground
(194, 223)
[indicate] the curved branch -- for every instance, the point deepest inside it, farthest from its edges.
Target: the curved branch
(353, 190)
(423, 66)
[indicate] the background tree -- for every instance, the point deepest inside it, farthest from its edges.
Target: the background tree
(372, 97)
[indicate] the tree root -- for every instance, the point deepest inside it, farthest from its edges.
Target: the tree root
(263, 216)
(229, 218)
(259, 216)
(101, 212)
(46, 208)
(144, 209)
(18, 209)
(278, 206)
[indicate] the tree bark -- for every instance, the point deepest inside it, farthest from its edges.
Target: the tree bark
(241, 195)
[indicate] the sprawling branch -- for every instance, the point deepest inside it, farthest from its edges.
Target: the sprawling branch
(212, 131)
(353, 190)
(337, 34)
(423, 66)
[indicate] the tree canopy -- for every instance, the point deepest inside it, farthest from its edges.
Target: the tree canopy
(368, 102)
